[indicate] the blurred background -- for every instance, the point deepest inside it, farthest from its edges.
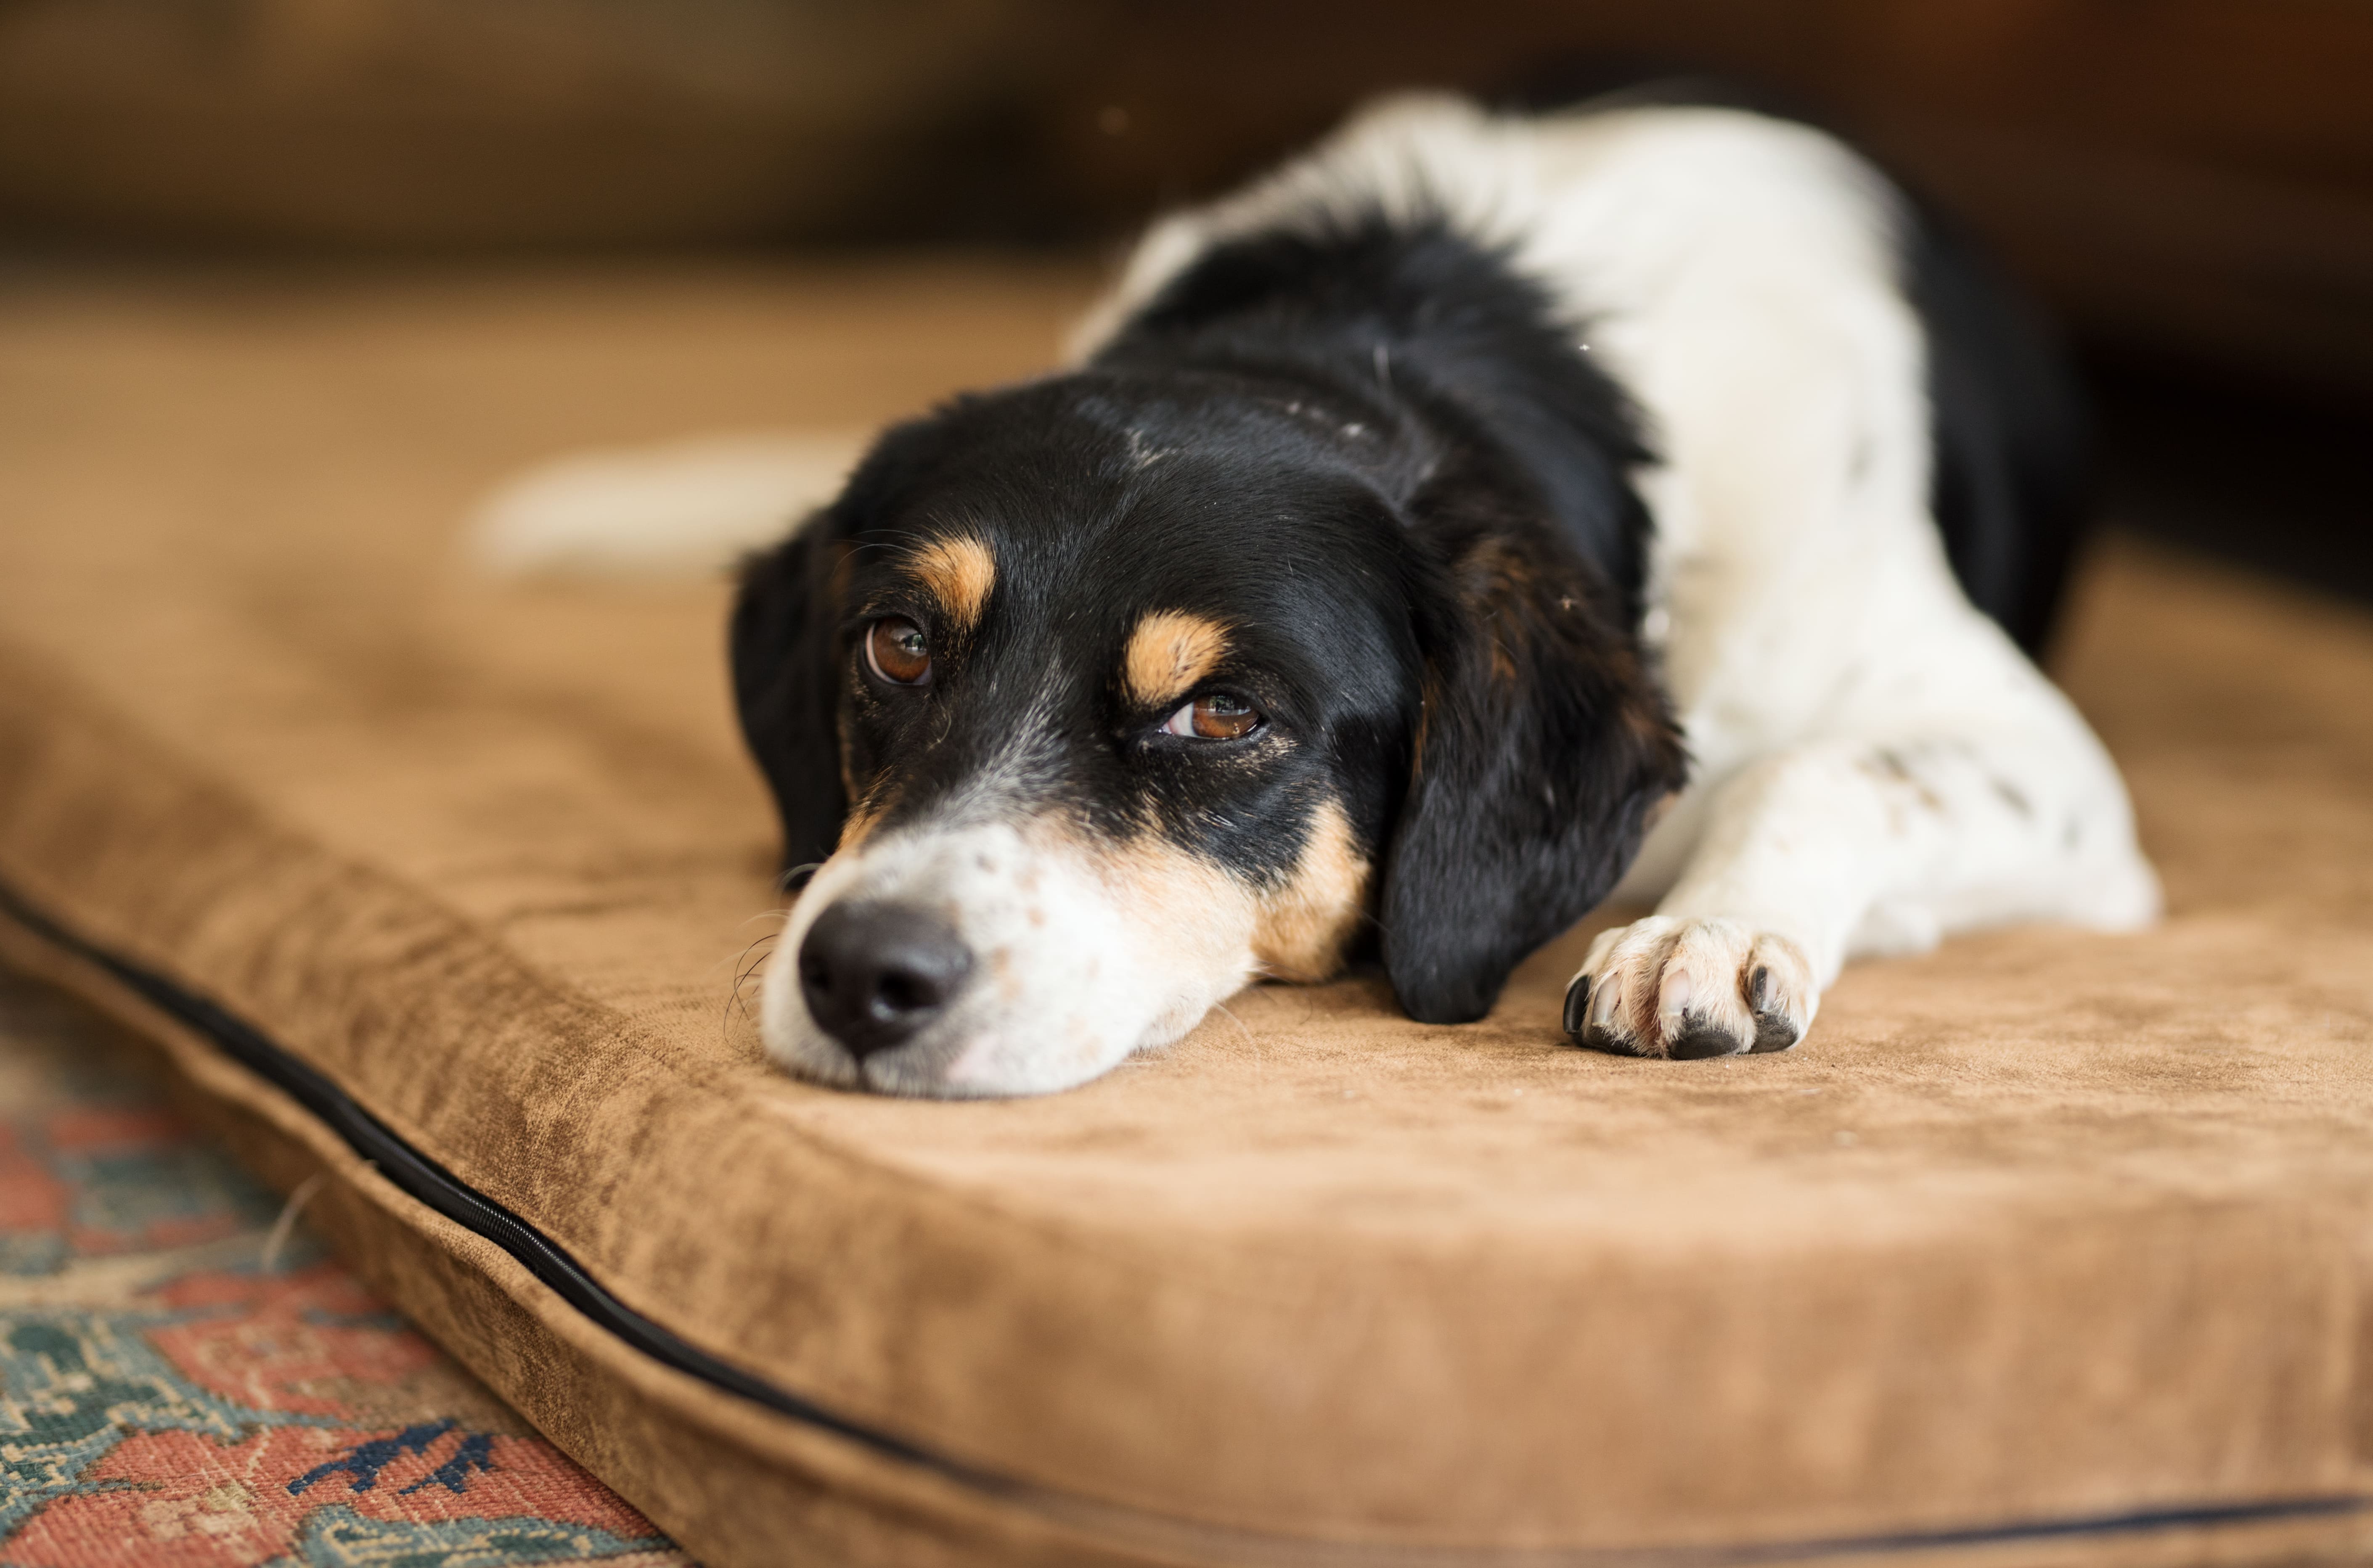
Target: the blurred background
(2188, 182)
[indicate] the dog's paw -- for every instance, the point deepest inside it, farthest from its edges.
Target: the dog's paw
(1688, 988)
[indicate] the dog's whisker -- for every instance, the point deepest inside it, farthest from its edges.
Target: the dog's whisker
(747, 963)
(740, 953)
(749, 970)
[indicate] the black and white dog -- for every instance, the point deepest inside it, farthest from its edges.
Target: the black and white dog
(1479, 516)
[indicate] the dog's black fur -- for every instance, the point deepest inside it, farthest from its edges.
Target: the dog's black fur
(1375, 454)
(2008, 430)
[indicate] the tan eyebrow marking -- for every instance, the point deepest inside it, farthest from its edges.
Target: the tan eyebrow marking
(1304, 927)
(958, 571)
(1168, 653)
(859, 825)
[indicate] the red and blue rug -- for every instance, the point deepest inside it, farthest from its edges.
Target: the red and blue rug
(176, 1389)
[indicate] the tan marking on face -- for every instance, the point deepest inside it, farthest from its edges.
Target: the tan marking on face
(1186, 903)
(1188, 917)
(867, 807)
(1304, 926)
(1168, 653)
(958, 571)
(857, 825)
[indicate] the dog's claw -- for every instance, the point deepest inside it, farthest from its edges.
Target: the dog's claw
(1707, 987)
(1577, 1006)
(1601, 1037)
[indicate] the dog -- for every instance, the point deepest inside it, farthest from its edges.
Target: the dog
(1479, 516)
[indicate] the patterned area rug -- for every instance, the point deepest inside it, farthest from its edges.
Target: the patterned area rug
(185, 1378)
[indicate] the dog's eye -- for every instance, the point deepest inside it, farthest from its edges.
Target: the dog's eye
(1221, 715)
(897, 650)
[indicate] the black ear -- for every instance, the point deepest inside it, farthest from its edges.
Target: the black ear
(785, 684)
(1543, 743)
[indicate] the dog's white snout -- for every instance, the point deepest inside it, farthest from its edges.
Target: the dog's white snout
(987, 958)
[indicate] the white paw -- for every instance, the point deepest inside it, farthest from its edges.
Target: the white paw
(1688, 988)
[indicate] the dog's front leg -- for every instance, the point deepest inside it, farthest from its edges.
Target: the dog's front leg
(1839, 847)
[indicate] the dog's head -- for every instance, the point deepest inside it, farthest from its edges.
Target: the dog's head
(1094, 699)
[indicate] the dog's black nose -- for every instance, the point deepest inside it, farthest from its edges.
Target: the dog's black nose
(875, 973)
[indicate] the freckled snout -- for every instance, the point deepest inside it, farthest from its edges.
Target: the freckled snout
(876, 974)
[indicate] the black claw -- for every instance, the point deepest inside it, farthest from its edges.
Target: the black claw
(1758, 987)
(1598, 1037)
(1701, 1039)
(1577, 1006)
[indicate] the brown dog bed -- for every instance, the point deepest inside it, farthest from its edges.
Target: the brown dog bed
(2046, 1247)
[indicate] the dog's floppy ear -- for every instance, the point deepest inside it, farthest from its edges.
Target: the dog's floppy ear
(785, 684)
(1541, 747)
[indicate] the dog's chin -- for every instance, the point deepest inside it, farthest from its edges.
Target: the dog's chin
(964, 1059)
(948, 1066)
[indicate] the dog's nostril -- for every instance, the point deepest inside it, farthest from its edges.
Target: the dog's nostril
(905, 993)
(874, 974)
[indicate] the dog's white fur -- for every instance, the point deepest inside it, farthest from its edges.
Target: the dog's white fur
(675, 509)
(1875, 763)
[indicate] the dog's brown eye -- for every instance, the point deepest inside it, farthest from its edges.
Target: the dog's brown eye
(1222, 715)
(897, 651)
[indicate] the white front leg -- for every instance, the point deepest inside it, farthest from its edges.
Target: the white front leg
(1867, 844)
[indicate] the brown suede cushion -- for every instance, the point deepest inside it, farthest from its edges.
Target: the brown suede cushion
(2047, 1232)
